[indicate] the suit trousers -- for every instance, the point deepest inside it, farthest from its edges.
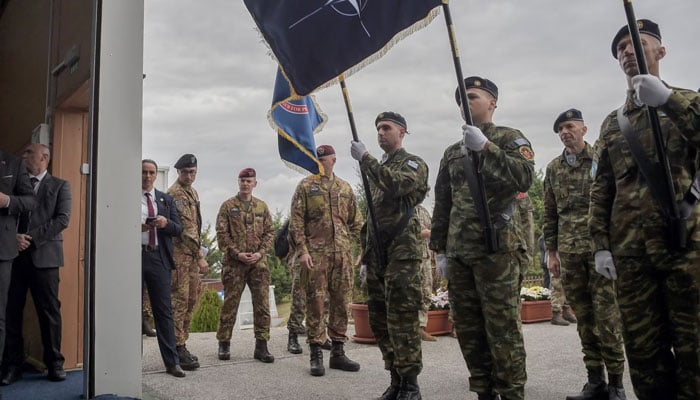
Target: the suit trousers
(157, 276)
(5, 274)
(43, 284)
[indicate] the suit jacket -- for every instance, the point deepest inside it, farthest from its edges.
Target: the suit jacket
(14, 182)
(47, 222)
(166, 208)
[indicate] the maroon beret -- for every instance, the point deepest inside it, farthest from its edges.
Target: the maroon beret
(325, 150)
(247, 173)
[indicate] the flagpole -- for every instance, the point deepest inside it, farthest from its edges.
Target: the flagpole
(365, 182)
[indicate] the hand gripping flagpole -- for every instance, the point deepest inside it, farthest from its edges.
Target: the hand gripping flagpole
(676, 222)
(480, 201)
(379, 252)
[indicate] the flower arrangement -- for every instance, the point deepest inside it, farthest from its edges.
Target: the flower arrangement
(440, 301)
(535, 293)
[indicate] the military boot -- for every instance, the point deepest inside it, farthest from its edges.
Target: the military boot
(424, 335)
(485, 396)
(558, 320)
(186, 362)
(293, 344)
(225, 350)
(595, 388)
(146, 327)
(409, 389)
(569, 315)
(327, 345)
(187, 351)
(261, 352)
(615, 389)
(392, 392)
(339, 360)
(316, 359)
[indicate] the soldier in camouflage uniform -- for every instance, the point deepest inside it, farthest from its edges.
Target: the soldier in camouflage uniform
(657, 283)
(398, 183)
(188, 256)
(324, 222)
(245, 234)
(567, 185)
(426, 269)
(523, 215)
(561, 310)
(484, 287)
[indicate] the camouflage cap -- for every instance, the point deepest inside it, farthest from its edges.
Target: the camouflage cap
(478, 82)
(645, 26)
(571, 114)
(186, 161)
(247, 173)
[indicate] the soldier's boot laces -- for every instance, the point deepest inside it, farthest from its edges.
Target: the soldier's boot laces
(409, 389)
(615, 389)
(293, 344)
(558, 320)
(339, 360)
(316, 359)
(186, 362)
(595, 388)
(568, 315)
(392, 392)
(261, 352)
(225, 350)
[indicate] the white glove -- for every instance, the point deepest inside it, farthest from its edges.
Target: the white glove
(474, 138)
(441, 261)
(650, 90)
(357, 150)
(363, 273)
(604, 264)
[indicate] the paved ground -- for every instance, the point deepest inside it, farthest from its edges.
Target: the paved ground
(554, 369)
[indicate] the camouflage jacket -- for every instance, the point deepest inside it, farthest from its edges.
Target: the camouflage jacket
(241, 229)
(398, 184)
(187, 203)
(324, 216)
(507, 165)
(566, 200)
(624, 215)
(424, 220)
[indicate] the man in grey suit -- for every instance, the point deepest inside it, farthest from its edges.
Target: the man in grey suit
(16, 195)
(40, 243)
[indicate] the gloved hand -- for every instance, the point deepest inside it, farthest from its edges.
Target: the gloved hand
(604, 264)
(650, 90)
(363, 273)
(357, 150)
(474, 138)
(441, 261)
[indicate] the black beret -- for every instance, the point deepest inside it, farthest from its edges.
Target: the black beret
(479, 83)
(186, 161)
(391, 116)
(644, 25)
(571, 114)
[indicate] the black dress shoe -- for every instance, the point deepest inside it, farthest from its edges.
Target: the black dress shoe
(175, 371)
(10, 375)
(56, 374)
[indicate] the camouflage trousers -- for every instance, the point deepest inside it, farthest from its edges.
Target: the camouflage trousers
(485, 303)
(297, 311)
(658, 297)
(558, 296)
(592, 298)
(235, 276)
(426, 271)
(395, 297)
(185, 286)
(330, 279)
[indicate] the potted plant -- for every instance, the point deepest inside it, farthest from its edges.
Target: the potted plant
(439, 314)
(535, 305)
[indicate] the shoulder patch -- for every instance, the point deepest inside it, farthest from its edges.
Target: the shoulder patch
(521, 142)
(594, 168)
(412, 164)
(526, 152)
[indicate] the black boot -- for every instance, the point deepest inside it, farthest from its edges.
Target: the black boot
(146, 327)
(327, 345)
(392, 392)
(595, 388)
(293, 344)
(339, 360)
(485, 396)
(615, 389)
(187, 351)
(316, 358)
(409, 389)
(261, 352)
(186, 362)
(225, 350)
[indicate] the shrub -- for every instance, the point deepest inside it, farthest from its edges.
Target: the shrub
(206, 316)
(281, 278)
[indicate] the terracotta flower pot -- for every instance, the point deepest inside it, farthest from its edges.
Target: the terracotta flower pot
(438, 322)
(535, 311)
(363, 333)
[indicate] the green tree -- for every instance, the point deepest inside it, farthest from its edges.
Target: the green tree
(280, 277)
(215, 255)
(206, 316)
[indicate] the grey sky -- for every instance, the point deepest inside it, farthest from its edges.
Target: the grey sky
(209, 83)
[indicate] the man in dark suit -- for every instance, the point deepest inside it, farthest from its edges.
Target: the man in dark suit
(159, 224)
(16, 195)
(40, 242)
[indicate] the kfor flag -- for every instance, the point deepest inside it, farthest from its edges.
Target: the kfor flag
(296, 121)
(315, 41)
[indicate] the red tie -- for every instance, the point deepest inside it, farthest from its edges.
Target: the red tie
(151, 230)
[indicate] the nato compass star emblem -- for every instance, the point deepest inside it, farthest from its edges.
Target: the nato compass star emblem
(345, 8)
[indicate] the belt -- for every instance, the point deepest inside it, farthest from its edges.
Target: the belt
(145, 247)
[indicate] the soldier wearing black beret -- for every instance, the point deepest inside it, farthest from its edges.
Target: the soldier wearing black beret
(186, 161)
